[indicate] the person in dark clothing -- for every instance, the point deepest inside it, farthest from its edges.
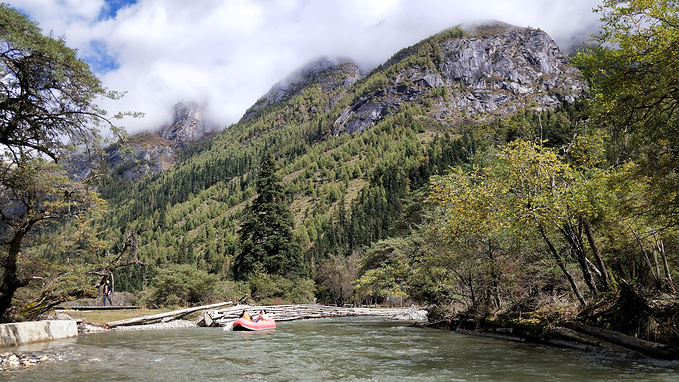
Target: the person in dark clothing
(244, 314)
(107, 293)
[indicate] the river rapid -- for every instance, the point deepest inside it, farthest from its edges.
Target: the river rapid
(340, 349)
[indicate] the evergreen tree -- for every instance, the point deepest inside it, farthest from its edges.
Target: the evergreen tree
(265, 237)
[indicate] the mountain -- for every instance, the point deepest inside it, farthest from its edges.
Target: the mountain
(355, 152)
(156, 151)
(188, 125)
(328, 74)
(485, 71)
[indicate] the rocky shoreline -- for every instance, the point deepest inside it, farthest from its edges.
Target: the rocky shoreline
(12, 361)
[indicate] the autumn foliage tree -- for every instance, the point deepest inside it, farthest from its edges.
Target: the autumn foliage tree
(632, 65)
(527, 188)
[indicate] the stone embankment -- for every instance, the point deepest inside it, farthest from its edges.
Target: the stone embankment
(20, 333)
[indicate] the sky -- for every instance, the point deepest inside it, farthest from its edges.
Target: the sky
(226, 54)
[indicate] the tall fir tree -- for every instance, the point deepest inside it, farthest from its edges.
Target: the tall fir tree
(265, 238)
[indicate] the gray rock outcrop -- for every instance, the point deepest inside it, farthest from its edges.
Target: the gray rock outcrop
(500, 68)
(150, 153)
(491, 71)
(188, 124)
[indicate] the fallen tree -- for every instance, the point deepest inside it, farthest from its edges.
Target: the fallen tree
(653, 349)
(157, 317)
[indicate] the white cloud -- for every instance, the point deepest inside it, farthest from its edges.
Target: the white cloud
(229, 53)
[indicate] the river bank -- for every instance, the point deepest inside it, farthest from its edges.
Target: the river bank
(564, 334)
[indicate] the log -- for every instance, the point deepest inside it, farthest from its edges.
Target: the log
(654, 349)
(155, 317)
(572, 335)
(562, 336)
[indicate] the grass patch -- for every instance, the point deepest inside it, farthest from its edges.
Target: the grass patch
(101, 317)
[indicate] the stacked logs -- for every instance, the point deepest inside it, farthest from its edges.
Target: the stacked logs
(221, 317)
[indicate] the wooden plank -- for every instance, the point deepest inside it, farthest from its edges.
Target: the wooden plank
(96, 307)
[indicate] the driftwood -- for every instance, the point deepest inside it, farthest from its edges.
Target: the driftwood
(653, 349)
(221, 317)
(157, 317)
(565, 337)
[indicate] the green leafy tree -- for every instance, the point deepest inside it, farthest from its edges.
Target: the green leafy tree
(266, 234)
(47, 95)
(633, 70)
(47, 110)
(30, 196)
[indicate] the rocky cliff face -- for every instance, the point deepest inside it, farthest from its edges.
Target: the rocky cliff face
(500, 68)
(146, 153)
(188, 125)
(149, 153)
(485, 71)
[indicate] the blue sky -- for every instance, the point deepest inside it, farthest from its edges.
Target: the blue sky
(226, 54)
(111, 7)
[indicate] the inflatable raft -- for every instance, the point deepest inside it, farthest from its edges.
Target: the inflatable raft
(244, 324)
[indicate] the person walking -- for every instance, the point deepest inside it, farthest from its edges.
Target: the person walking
(107, 293)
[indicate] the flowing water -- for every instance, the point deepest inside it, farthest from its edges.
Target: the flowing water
(323, 350)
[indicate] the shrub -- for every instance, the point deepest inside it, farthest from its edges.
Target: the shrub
(183, 284)
(266, 288)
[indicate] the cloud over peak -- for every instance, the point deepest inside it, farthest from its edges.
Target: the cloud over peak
(227, 54)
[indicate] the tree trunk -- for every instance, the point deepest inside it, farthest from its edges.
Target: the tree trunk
(10, 282)
(575, 239)
(589, 232)
(656, 277)
(560, 263)
(156, 317)
(494, 277)
(668, 275)
(645, 347)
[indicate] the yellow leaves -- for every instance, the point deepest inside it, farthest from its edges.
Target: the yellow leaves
(524, 184)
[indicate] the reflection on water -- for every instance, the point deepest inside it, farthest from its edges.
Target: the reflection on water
(323, 350)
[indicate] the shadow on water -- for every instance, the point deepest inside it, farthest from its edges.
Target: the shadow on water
(353, 349)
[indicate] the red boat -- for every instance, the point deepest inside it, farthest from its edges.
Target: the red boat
(244, 324)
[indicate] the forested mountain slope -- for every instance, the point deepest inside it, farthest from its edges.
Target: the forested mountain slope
(353, 154)
(474, 173)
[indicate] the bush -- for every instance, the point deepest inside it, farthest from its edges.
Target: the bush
(182, 284)
(236, 291)
(268, 289)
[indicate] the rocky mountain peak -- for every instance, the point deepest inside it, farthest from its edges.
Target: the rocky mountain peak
(484, 70)
(188, 125)
(152, 152)
(324, 72)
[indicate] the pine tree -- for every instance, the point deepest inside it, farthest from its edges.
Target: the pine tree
(265, 237)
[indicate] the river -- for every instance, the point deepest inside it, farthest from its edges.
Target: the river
(346, 349)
